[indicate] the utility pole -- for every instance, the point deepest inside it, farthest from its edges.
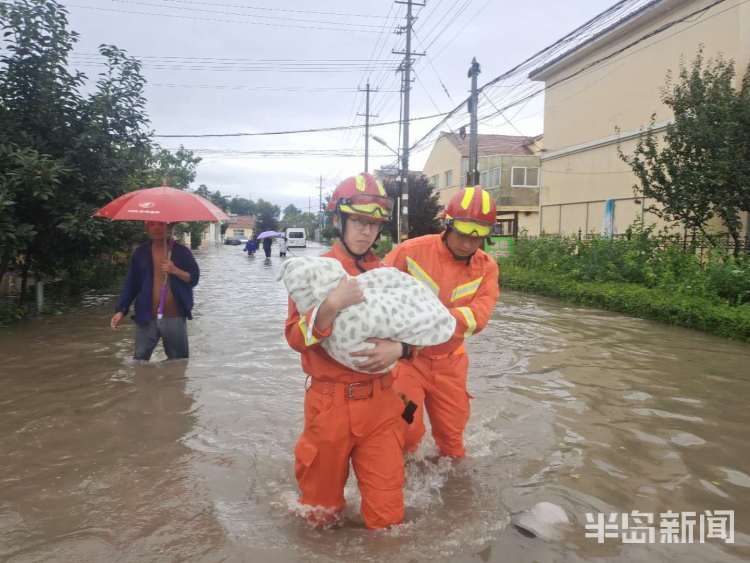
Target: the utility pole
(402, 218)
(472, 174)
(367, 117)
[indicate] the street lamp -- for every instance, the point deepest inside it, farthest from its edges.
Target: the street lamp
(386, 145)
(401, 180)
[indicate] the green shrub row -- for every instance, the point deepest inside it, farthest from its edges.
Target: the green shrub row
(635, 300)
(703, 270)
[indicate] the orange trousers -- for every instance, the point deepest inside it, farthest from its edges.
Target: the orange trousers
(368, 432)
(439, 386)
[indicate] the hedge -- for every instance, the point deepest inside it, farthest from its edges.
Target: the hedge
(635, 300)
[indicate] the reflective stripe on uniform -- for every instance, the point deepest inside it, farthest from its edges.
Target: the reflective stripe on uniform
(306, 334)
(466, 289)
(471, 322)
(417, 272)
(485, 202)
(360, 182)
(468, 196)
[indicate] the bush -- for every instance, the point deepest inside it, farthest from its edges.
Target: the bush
(640, 258)
(636, 300)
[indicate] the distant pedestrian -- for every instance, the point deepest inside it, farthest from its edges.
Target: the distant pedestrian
(282, 247)
(267, 246)
(251, 246)
(161, 256)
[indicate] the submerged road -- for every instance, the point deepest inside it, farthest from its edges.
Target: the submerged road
(102, 459)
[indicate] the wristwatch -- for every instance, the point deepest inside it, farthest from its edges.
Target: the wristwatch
(406, 351)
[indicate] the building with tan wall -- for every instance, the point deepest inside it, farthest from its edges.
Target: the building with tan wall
(240, 227)
(607, 84)
(508, 168)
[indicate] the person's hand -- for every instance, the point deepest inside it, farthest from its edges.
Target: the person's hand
(167, 266)
(345, 294)
(381, 357)
(116, 320)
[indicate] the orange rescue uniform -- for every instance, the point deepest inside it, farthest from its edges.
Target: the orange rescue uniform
(348, 415)
(435, 377)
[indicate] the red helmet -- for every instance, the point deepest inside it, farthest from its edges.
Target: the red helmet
(362, 195)
(472, 211)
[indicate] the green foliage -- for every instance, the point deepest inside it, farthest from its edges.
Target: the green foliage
(267, 218)
(176, 169)
(383, 246)
(242, 206)
(307, 221)
(690, 311)
(654, 262)
(423, 207)
(701, 169)
(64, 154)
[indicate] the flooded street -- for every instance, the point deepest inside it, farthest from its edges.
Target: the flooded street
(102, 459)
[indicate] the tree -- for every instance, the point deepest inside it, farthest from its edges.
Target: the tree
(63, 154)
(242, 206)
(267, 218)
(699, 170)
(307, 221)
(176, 169)
(424, 208)
(290, 212)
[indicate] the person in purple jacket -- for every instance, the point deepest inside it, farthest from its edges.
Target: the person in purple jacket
(151, 261)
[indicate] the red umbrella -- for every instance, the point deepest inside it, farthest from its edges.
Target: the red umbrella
(162, 205)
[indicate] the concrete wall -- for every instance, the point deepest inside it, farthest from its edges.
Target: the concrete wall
(580, 163)
(529, 222)
(443, 157)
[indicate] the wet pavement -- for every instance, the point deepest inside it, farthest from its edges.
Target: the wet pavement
(104, 459)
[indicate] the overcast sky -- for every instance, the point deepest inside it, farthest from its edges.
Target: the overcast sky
(224, 66)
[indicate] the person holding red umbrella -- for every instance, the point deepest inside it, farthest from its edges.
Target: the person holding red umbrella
(161, 310)
(162, 273)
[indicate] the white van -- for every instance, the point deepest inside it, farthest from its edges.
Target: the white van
(295, 237)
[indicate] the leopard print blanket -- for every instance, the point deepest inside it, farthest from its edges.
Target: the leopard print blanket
(396, 307)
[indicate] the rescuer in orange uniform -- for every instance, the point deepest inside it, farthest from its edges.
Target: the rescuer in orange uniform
(465, 279)
(349, 414)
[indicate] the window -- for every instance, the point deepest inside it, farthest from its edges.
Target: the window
(295, 234)
(238, 232)
(448, 178)
(435, 181)
(494, 177)
(524, 177)
(490, 178)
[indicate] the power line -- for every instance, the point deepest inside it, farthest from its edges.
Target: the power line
(264, 9)
(548, 49)
(226, 13)
(218, 20)
(460, 31)
(292, 89)
(451, 20)
(294, 132)
(95, 55)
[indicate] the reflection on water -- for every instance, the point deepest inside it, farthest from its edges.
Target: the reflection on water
(106, 459)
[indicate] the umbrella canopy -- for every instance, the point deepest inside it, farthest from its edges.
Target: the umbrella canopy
(267, 234)
(163, 205)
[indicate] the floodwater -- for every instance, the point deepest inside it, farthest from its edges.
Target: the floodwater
(102, 459)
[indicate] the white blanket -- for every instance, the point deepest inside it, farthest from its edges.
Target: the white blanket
(396, 307)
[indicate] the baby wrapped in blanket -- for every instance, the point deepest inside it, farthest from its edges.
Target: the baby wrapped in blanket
(396, 307)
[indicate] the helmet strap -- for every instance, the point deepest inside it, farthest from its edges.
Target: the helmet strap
(357, 257)
(456, 257)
